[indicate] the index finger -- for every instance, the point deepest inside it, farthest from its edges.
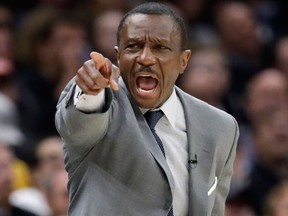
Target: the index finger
(105, 67)
(101, 64)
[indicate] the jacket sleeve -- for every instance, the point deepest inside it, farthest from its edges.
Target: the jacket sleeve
(80, 131)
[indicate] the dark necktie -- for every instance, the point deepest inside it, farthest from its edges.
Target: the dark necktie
(152, 117)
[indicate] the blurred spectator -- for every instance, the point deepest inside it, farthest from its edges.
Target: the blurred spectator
(53, 48)
(277, 201)
(18, 104)
(22, 174)
(104, 33)
(11, 135)
(71, 43)
(198, 16)
(49, 154)
(270, 137)
(57, 193)
(6, 184)
(207, 77)
(237, 27)
(15, 106)
(271, 140)
(10, 132)
(36, 198)
(9, 85)
(266, 91)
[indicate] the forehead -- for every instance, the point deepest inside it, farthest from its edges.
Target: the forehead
(140, 25)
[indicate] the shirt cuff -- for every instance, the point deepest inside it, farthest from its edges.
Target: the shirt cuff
(88, 103)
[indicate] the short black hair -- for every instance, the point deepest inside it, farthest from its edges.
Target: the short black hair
(152, 8)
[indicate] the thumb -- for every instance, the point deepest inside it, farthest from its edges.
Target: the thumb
(113, 80)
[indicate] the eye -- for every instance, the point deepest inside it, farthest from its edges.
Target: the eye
(133, 46)
(161, 47)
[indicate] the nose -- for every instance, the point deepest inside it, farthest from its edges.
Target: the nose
(146, 57)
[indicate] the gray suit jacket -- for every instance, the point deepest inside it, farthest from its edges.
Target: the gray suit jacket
(116, 167)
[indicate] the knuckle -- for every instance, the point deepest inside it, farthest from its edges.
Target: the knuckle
(94, 75)
(91, 85)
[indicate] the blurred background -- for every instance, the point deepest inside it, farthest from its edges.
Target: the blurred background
(239, 64)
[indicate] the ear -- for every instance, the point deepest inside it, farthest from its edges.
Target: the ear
(116, 48)
(185, 56)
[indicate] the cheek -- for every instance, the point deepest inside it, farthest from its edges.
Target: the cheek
(125, 64)
(171, 78)
(171, 71)
(168, 84)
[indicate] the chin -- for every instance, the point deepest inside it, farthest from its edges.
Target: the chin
(147, 105)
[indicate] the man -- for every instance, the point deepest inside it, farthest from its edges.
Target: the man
(7, 208)
(116, 164)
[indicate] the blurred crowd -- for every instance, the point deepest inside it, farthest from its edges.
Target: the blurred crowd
(239, 64)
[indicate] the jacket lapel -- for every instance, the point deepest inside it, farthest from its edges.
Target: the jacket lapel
(201, 150)
(151, 142)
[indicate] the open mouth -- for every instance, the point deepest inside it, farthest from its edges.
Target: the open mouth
(146, 83)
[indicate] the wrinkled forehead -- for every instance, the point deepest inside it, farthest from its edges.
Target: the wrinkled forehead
(141, 19)
(137, 25)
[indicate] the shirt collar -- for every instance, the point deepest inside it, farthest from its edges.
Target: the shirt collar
(169, 108)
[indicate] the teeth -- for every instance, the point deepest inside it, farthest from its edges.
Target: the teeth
(146, 91)
(144, 75)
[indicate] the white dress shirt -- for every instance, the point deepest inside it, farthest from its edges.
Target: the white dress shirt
(171, 129)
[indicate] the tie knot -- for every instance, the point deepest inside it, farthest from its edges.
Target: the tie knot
(152, 117)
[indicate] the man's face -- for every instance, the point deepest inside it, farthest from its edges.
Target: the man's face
(150, 58)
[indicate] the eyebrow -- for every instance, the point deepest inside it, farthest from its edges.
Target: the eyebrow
(143, 39)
